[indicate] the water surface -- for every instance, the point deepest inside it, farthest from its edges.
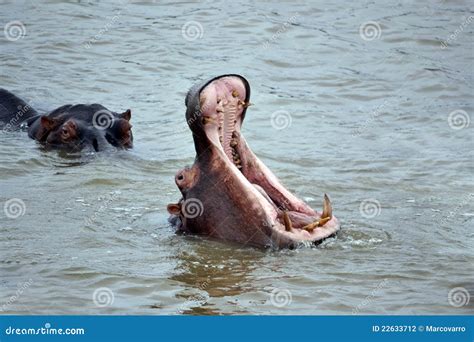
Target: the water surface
(362, 118)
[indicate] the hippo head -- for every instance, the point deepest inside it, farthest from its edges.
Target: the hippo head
(228, 193)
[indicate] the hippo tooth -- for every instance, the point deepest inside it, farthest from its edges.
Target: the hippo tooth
(327, 208)
(235, 93)
(318, 223)
(310, 227)
(207, 119)
(323, 221)
(244, 104)
(286, 219)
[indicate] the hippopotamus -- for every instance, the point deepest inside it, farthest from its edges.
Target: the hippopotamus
(229, 193)
(69, 127)
(114, 127)
(14, 111)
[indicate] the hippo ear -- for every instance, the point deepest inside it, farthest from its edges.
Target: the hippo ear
(48, 123)
(125, 126)
(174, 209)
(127, 115)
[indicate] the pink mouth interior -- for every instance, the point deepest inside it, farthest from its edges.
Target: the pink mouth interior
(222, 105)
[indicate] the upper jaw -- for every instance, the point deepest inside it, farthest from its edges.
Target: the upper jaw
(201, 102)
(207, 117)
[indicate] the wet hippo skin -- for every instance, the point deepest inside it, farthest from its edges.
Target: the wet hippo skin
(13, 111)
(115, 127)
(88, 125)
(229, 193)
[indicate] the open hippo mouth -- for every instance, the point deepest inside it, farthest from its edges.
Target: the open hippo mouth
(229, 193)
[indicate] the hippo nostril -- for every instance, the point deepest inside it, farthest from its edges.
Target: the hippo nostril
(180, 177)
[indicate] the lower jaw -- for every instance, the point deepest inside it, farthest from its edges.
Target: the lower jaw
(277, 202)
(305, 224)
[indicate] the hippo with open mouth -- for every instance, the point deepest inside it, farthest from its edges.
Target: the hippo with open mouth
(228, 193)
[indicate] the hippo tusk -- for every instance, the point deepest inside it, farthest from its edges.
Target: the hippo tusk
(327, 208)
(318, 223)
(286, 219)
(251, 196)
(325, 216)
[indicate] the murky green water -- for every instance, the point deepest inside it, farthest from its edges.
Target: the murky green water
(369, 126)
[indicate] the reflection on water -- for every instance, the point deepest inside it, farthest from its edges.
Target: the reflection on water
(371, 105)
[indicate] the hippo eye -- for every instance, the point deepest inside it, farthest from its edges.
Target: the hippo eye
(65, 132)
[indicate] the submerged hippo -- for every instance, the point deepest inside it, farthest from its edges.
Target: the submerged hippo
(229, 193)
(92, 124)
(69, 127)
